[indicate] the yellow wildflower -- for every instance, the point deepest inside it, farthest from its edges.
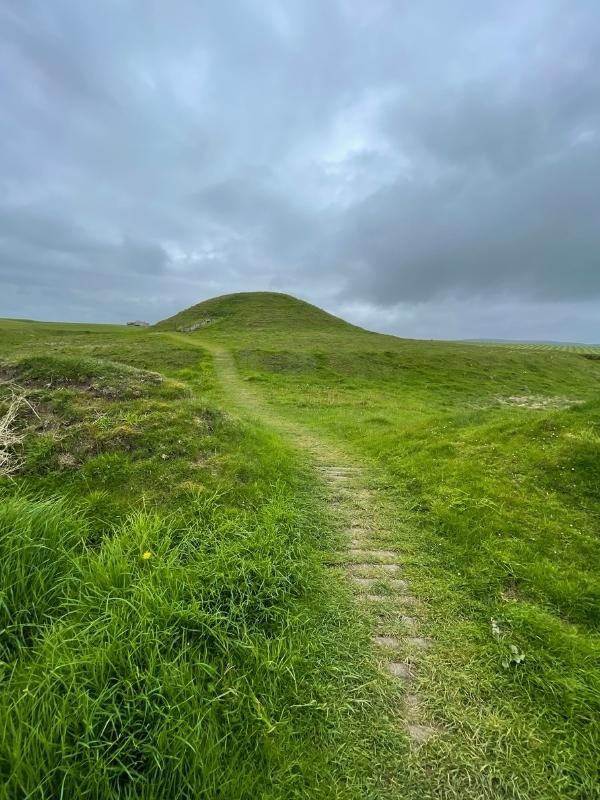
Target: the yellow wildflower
(146, 555)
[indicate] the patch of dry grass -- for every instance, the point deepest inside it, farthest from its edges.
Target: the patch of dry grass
(540, 401)
(10, 437)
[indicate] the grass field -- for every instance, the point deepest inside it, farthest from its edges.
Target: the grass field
(546, 346)
(172, 624)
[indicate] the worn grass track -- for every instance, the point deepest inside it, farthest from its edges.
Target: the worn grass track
(360, 513)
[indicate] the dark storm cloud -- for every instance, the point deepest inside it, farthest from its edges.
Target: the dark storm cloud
(385, 160)
(535, 231)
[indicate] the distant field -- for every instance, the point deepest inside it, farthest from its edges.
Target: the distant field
(178, 615)
(540, 346)
(31, 326)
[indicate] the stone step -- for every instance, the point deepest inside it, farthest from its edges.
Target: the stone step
(386, 641)
(400, 669)
(373, 566)
(365, 552)
(393, 583)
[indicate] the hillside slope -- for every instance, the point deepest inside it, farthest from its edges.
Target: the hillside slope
(277, 333)
(166, 630)
(260, 311)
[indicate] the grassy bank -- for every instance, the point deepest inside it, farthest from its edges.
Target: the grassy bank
(167, 630)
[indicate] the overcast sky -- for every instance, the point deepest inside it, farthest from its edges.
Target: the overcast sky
(426, 168)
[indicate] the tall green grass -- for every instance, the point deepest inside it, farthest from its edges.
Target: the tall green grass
(177, 658)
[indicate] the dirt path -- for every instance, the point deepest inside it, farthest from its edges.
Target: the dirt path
(368, 556)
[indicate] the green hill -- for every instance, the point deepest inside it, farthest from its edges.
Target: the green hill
(258, 311)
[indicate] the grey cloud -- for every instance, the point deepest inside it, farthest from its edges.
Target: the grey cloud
(536, 232)
(249, 203)
(43, 249)
(362, 156)
(512, 118)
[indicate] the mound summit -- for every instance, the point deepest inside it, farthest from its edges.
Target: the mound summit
(254, 310)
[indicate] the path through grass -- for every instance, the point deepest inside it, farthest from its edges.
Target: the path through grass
(367, 553)
(488, 458)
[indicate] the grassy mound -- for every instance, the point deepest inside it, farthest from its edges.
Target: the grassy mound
(96, 375)
(254, 311)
